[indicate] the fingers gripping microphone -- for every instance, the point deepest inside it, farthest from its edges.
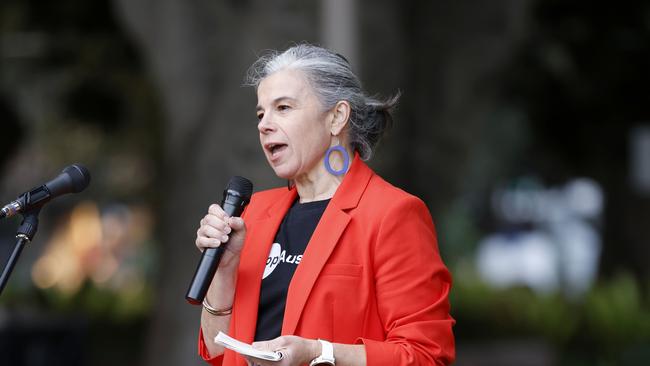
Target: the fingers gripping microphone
(235, 198)
(73, 179)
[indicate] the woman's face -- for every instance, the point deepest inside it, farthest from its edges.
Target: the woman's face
(294, 129)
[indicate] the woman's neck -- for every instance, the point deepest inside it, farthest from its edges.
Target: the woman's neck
(317, 186)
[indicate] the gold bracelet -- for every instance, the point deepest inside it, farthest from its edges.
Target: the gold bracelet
(216, 312)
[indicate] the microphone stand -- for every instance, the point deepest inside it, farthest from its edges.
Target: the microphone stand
(24, 234)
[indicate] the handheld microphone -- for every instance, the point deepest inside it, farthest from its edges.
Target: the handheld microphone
(235, 198)
(73, 179)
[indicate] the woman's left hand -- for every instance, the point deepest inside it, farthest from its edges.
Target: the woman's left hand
(295, 351)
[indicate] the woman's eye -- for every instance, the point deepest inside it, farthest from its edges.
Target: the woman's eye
(283, 107)
(260, 116)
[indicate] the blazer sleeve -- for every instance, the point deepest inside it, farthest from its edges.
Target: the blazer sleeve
(205, 354)
(412, 291)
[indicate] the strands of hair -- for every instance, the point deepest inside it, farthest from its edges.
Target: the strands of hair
(332, 79)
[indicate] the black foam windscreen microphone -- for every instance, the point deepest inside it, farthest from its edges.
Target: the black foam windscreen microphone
(73, 179)
(235, 198)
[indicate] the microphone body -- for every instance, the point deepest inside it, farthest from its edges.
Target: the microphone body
(235, 198)
(73, 179)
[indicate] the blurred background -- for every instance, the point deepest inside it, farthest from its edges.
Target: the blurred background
(524, 125)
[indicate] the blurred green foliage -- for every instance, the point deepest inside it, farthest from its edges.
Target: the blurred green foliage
(617, 313)
(90, 302)
(611, 323)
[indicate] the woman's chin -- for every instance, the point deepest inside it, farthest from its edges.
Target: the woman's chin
(283, 173)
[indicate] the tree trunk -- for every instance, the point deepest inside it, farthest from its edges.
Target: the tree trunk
(198, 53)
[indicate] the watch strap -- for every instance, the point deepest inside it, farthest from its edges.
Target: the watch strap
(326, 355)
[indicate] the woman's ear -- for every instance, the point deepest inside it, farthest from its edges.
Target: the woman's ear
(341, 116)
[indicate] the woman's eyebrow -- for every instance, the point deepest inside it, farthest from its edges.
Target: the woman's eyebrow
(275, 101)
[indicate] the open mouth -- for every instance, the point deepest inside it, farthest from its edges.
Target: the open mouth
(276, 148)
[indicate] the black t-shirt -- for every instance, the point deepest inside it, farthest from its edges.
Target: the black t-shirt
(286, 253)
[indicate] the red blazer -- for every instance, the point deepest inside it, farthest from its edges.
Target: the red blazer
(371, 274)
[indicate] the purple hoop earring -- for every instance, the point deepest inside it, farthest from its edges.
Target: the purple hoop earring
(346, 160)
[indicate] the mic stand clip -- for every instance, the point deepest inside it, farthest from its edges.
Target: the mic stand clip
(24, 234)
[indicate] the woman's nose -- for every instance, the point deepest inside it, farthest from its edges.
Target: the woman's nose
(265, 125)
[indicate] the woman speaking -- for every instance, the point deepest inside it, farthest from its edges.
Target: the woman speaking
(340, 267)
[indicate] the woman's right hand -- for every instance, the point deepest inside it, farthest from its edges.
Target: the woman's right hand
(217, 228)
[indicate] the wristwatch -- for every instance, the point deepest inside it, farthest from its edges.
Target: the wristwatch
(326, 355)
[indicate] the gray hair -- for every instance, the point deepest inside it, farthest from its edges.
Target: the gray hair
(332, 80)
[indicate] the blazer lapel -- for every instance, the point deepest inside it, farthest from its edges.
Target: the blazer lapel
(251, 268)
(323, 241)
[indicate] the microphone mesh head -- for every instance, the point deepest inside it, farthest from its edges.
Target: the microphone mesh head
(79, 175)
(241, 185)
